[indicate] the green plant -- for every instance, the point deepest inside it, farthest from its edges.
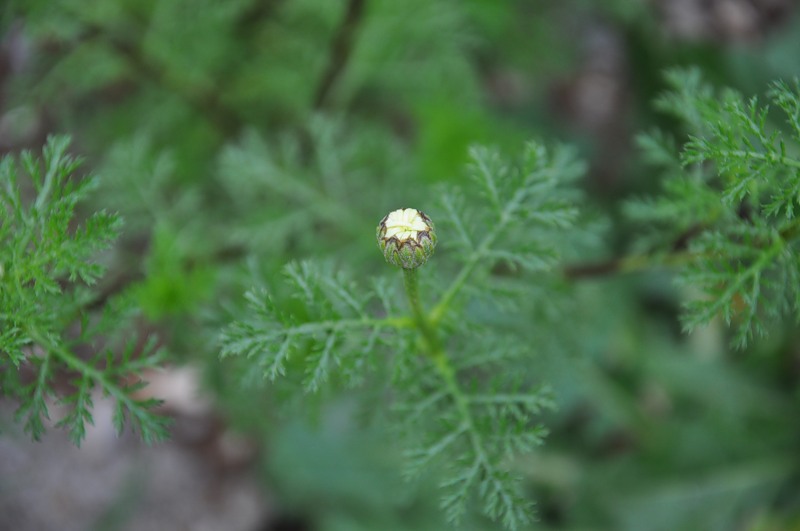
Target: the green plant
(731, 195)
(446, 357)
(461, 390)
(49, 333)
(459, 395)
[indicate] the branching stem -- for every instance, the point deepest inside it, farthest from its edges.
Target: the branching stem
(642, 262)
(780, 159)
(87, 370)
(504, 218)
(626, 264)
(441, 361)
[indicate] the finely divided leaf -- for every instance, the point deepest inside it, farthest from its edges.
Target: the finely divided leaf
(47, 265)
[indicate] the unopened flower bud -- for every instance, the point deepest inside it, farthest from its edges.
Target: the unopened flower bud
(406, 238)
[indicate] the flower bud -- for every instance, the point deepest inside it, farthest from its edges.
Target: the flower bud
(406, 238)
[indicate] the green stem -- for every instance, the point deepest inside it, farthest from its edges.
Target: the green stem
(47, 185)
(411, 283)
(133, 406)
(472, 262)
(444, 303)
(786, 161)
(441, 361)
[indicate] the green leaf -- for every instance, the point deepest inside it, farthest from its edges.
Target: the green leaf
(330, 330)
(734, 203)
(48, 266)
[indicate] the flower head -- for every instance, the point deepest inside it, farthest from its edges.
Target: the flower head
(406, 237)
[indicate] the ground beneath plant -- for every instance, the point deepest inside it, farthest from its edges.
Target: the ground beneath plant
(200, 480)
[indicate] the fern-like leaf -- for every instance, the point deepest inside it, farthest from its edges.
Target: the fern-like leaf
(330, 329)
(735, 202)
(47, 268)
(465, 403)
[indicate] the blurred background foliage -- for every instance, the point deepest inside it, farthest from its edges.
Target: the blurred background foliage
(235, 136)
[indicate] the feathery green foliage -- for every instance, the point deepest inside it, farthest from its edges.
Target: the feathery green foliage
(731, 197)
(236, 137)
(459, 391)
(48, 265)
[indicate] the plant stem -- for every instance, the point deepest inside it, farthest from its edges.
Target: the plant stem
(411, 283)
(441, 361)
(637, 263)
(625, 265)
(151, 426)
(340, 52)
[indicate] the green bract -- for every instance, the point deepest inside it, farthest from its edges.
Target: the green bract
(406, 237)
